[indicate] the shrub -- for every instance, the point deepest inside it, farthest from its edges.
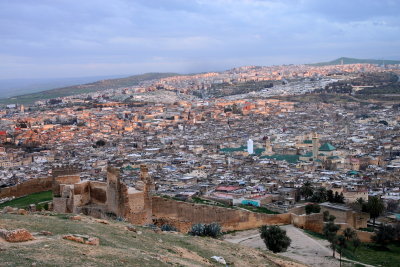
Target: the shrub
(384, 235)
(312, 208)
(168, 228)
(197, 229)
(212, 230)
(275, 238)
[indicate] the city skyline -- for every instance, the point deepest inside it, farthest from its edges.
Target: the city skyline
(70, 39)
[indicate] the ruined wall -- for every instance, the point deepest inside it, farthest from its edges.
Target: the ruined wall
(35, 186)
(365, 236)
(98, 193)
(313, 222)
(114, 191)
(81, 194)
(352, 218)
(298, 210)
(183, 215)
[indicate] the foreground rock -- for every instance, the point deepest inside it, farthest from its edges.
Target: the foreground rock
(18, 235)
(93, 241)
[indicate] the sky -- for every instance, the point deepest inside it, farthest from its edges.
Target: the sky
(71, 38)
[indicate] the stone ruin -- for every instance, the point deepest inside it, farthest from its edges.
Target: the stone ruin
(115, 199)
(107, 199)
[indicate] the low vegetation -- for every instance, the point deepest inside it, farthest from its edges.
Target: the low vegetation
(275, 238)
(258, 209)
(119, 246)
(211, 230)
(24, 202)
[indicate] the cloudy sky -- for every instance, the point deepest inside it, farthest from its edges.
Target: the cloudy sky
(70, 38)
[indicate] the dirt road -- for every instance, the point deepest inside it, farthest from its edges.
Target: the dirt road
(303, 248)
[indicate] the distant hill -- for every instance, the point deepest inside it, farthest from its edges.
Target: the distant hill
(84, 88)
(16, 87)
(348, 60)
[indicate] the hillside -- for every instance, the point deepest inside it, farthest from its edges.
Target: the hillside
(347, 60)
(85, 88)
(119, 246)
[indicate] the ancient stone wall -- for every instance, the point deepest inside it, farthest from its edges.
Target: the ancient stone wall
(183, 215)
(298, 210)
(353, 218)
(35, 186)
(312, 222)
(113, 191)
(98, 193)
(365, 236)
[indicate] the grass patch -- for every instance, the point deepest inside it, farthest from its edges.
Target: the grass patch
(24, 202)
(374, 254)
(368, 229)
(258, 209)
(369, 253)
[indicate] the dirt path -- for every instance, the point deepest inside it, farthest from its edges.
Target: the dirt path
(313, 252)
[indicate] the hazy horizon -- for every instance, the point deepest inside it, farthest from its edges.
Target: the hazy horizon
(58, 39)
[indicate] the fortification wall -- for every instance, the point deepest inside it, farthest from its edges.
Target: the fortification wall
(183, 215)
(352, 218)
(98, 193)
(365, 236)
(312, 222)
(36, 185)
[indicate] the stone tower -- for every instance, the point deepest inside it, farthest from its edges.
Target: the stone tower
(65, 170)
(268, 147)
(147, 193)
(315, 146)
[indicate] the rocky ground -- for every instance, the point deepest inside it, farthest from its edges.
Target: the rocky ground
(62, 240)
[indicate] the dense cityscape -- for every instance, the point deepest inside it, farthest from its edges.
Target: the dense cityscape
(200, 133)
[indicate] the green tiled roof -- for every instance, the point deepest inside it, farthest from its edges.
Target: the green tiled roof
(352, 173)
(233, 149)
(333, 157)
(257, 151)
(307, 142)
(308, 154)
(287, 158)
(327, 147)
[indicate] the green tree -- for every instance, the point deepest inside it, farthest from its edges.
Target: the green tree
(100, 143)
(275, 238)
(307, 190)
(326, 216)
(384, 235)
(341, 245)
(349, 233)
(320, 195)
(312, 208)
(375, 207)
(329, 195)
(330, 230)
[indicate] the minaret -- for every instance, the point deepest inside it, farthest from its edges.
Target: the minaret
(268, 147)
(250, 148)
(315, 145)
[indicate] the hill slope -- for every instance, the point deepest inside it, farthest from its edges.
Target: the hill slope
(120, 247)
(347, 60)
(85, 88)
